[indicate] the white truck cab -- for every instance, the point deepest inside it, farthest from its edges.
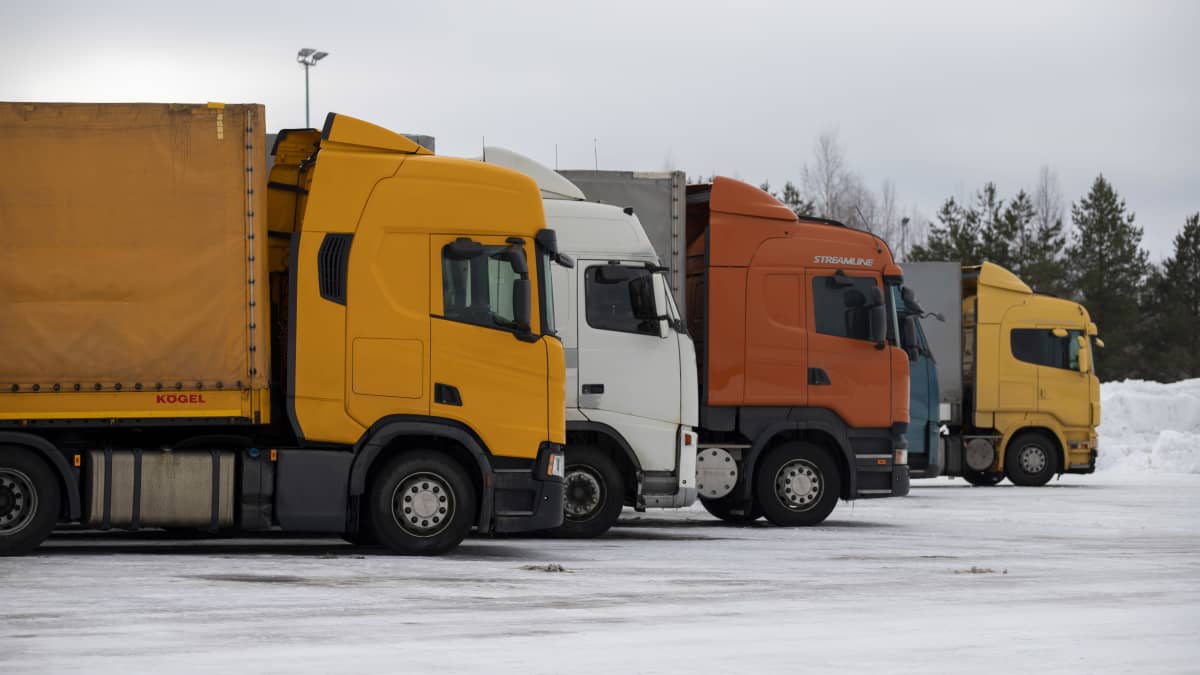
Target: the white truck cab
(632, 397)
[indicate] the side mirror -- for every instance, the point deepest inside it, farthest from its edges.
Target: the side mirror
(641, 297)
(516, 256)
(547, 240)
(908, 337)
(1085, 360)
(522, 290)
(910, 301)
(877, 318)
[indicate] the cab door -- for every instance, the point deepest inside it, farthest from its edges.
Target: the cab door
(847, 373)
(1063, 391)
(486, 372)
(922, 435)
(628, 360)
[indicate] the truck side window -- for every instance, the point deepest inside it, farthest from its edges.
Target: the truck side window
(479, 290)
(1039, 346)
(840, 306)
(620, 298)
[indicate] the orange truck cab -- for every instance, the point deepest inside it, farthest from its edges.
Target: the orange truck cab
(803, 387)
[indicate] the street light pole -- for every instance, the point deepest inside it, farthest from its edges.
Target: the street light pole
(308, 57)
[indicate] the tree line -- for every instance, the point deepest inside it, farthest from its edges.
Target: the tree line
(1147, 312)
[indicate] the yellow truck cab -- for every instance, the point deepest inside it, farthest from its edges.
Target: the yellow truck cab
(362, 344)
(1025, 402)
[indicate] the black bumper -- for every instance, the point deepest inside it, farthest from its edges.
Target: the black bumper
(1089, 468)
(524, 496)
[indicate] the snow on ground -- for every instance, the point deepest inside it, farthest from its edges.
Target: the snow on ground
(1096, 573)
(1150, 427)
(1093, 573)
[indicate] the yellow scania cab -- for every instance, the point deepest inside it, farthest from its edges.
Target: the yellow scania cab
(361, 343)
(1015, 376)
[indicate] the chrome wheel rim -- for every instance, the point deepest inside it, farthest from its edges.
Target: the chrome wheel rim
(18, 501)
(1033, 459)
(423, 504)
(583, 492)
(798, 485)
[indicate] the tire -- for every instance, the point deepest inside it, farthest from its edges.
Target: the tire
(30, 501)
(593, 493)
(797, 484)
(439, 498)
(724, 507)
(983, 478)
(1030, 459)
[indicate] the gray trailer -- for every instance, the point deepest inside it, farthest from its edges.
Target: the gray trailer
(938, 286)
(659, 199)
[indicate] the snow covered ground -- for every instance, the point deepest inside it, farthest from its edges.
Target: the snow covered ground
(1089, 574)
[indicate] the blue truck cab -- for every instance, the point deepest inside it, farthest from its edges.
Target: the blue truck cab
(924, 410)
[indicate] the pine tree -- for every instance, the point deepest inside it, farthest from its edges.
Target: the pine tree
(1180, 296)
(997, 234)
(1109, 269)
(955, 238)
(1159, 346)
(792, 199)
(1016, 224)
(1043, 266)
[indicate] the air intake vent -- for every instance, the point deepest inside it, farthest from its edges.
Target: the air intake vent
(332, 261)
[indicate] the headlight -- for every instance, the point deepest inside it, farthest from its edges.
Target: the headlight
(554, 467)
(902, 456)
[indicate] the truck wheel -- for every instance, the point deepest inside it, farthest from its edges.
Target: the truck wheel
(1030, 460)
(797, 484)
(724, 507)
(30, 498)
(593, 493)
(982, 478)
(422, 503)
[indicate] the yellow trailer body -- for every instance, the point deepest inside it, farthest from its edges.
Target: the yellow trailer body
(132, 251)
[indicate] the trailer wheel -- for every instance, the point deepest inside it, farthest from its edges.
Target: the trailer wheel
(422, 503)
(30, 497)
(593, 493)
(724, 507)
(1030, 459)
(983, 478)
(797, 484)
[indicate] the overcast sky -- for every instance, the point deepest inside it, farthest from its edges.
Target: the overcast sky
(937, 96)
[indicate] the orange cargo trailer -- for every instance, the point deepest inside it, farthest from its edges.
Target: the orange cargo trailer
(803, 385)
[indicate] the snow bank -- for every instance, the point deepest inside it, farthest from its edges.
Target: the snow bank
(1150, 427)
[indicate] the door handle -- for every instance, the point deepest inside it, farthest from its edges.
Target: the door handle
(593, 388)
(818, 377)
(446, 394)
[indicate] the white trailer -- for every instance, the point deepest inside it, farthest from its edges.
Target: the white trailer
(632, 397)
